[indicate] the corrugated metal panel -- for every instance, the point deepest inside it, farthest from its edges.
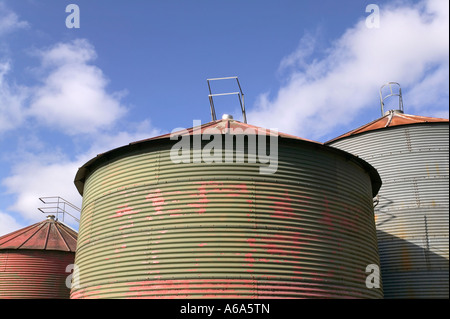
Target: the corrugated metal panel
(412, 215)
(154, 229)
(34, 274)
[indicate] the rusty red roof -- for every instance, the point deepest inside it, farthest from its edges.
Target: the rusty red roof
(46, 235)
(222, 127)
(391, 119)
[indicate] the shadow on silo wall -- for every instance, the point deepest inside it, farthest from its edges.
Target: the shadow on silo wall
(410, 271)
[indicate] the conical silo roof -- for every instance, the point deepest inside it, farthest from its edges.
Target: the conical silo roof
(49, 234)
(222, 127)
(215, 127)
(390, 119)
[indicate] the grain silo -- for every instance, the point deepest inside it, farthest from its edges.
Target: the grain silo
(34, 261)
(152, 227)
(411, 153)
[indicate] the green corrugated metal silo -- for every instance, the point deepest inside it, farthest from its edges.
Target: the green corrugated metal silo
(153, 228)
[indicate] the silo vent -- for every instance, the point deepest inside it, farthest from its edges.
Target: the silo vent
(227, 117)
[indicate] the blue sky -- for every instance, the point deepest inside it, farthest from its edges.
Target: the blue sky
(136, 69)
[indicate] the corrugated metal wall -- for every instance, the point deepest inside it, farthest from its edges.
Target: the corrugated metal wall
(412, 215)
(154, 229)
(34, 274)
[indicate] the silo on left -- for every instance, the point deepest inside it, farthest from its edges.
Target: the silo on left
(35, 260)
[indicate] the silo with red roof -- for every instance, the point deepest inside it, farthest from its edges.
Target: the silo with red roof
(36, 261)
(411, 154)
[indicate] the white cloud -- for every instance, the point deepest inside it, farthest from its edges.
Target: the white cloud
(411, 42)
(297, 59)
(105, 141)
(11, 101)
(73, 97)
(36, 177)
(70, 97)
(52, 173)
(429, 92)
(9, 21)
(8, 224)
(12, 96)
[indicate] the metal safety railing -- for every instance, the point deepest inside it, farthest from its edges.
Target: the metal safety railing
(391, 93)
(240, 95)
(58, 206)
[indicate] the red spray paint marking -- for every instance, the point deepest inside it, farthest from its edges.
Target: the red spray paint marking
(118, 250)
(207, 187)
(229, 190)
(157, 201)
(174, 193)
(283, 208)
(242, 187)
(185, 288)
(251, 241)
(274, 248)
(201, 207)
(202, 200)
(343, 223)
(174, 212)
(327, 218)
(126, 226)
(249, 258)
(124, 210)
(233, 195)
